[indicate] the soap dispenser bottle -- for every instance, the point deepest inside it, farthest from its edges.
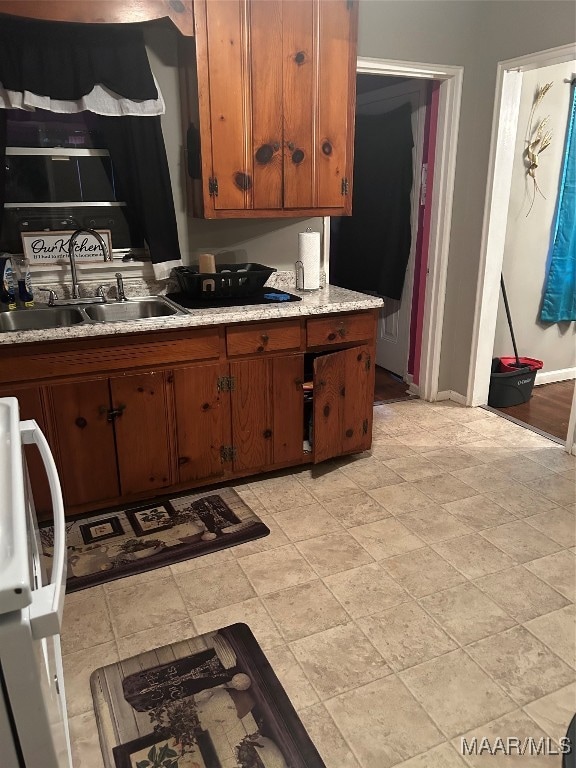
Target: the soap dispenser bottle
(8, 285)
(24, 280)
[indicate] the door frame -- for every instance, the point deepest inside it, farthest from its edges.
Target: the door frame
(502, 145)
(445, 149)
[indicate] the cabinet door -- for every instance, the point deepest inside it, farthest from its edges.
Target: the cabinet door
(343, 401)
(239, 47)
(267, 411)
(143, 428)
(85, 449)
(252, 420)
(319, 54)
(30, 404)
(266, 97)
(288, 404)
(202, 421)
(276, 82)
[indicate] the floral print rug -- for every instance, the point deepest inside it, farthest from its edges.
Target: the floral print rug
(113, 544)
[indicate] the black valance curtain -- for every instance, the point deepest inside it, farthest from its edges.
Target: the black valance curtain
(136, 146)
(65, 61)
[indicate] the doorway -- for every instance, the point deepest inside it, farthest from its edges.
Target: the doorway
(443, 143)
(391, 119)
(382, 96)
(501, 166)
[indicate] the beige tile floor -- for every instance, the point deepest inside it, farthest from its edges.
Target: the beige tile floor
(406, 597)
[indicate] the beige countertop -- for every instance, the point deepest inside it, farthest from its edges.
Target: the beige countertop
(327, 300)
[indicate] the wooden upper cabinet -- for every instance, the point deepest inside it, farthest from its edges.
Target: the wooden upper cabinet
(276, 86)
(108, 12)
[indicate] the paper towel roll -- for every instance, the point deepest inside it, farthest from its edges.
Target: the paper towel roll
(309, 255)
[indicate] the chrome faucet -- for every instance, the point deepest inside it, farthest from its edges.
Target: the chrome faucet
(73, 236)
(120, 295)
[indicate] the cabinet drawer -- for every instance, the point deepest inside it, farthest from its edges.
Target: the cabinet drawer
(262, 337)
(339, 329)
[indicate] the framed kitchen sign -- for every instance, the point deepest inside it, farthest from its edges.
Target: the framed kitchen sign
(52, 247)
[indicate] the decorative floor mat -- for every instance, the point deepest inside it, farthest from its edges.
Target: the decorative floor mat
(114, 544)
(209, 702)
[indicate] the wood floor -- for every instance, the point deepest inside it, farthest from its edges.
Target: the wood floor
(548, 409)
(389, 387)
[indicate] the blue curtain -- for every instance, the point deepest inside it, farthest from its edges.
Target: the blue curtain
(559, 302)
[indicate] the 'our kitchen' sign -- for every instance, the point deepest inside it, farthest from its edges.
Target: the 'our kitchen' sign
(52, 247)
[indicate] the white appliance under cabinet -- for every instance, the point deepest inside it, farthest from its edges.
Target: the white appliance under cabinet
(33, 720)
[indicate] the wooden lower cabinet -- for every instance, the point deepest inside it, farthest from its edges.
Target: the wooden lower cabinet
(112, 436)
(267, 411)
(83, 441)
(202, 421)
(343, 396)
(184, 423)
(143, 424)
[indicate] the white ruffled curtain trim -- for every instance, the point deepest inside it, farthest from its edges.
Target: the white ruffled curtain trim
(100, 100)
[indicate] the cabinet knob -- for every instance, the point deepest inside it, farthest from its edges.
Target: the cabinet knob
(300, 57)
(267, 433)
(349, 432)
(327, 148)
(342, 332)
(326, 411)
(331, 336)
(260, 348)
(183, 460)
(81, 422)
(115, 412)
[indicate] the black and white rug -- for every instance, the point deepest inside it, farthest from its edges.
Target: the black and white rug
(114, 544)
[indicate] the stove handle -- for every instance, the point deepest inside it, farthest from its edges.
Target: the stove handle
(48, 601)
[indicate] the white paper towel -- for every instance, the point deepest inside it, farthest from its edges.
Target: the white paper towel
(309, 255)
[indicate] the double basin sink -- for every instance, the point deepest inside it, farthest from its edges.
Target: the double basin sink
(66, 316)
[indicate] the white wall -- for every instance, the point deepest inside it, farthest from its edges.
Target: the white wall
(529, 235)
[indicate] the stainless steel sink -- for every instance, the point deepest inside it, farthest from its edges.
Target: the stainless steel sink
(132, 309)
(63, 316)
(39, 319)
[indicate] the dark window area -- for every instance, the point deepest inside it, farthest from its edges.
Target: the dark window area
(72, 186)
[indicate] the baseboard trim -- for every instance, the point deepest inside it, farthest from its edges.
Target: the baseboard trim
(550, 377)
(449, 394)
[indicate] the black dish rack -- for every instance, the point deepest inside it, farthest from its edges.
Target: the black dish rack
(229, 280)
